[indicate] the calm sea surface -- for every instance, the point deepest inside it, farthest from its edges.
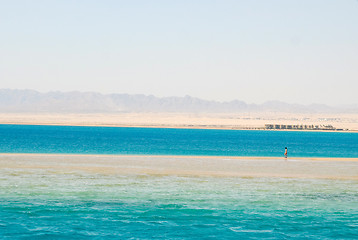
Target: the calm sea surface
(46, 204)
(159, 141)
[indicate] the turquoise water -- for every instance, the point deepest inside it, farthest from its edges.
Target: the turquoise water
(40, 203)
(155, 141)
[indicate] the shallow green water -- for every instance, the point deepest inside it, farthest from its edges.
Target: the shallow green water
(39, 204)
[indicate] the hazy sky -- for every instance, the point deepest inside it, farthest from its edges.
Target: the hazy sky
(297, 51)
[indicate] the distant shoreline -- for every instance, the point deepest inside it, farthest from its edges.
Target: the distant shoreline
(232, 121)
(216, 127)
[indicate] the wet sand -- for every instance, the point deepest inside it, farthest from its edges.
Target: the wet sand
(249, 167)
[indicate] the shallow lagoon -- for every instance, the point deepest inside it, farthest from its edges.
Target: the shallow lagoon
(46, 202)
(114, 196)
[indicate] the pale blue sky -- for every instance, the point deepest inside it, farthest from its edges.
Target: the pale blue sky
(297, 51)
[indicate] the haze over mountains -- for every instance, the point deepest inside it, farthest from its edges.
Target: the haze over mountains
(92, 102)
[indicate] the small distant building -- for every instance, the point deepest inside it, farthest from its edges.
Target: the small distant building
(299, 127)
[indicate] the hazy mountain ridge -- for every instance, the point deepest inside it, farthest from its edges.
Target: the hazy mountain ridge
(86, 102)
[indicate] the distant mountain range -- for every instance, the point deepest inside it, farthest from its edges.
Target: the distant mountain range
(91, 102)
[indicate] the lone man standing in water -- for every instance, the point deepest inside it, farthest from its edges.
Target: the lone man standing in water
(285, 152)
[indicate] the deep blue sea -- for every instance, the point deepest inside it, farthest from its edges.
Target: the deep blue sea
(42, 203)
(164, 141)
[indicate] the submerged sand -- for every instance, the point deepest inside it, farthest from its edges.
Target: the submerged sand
(313, 168)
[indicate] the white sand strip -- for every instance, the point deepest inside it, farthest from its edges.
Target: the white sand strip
(182, 120)
(326, 168)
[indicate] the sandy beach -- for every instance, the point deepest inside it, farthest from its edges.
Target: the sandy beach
(182, 120)
(248, 167)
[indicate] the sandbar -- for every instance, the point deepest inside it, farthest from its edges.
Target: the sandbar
(247, 167)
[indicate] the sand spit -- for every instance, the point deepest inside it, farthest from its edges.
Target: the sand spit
(317, 168)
